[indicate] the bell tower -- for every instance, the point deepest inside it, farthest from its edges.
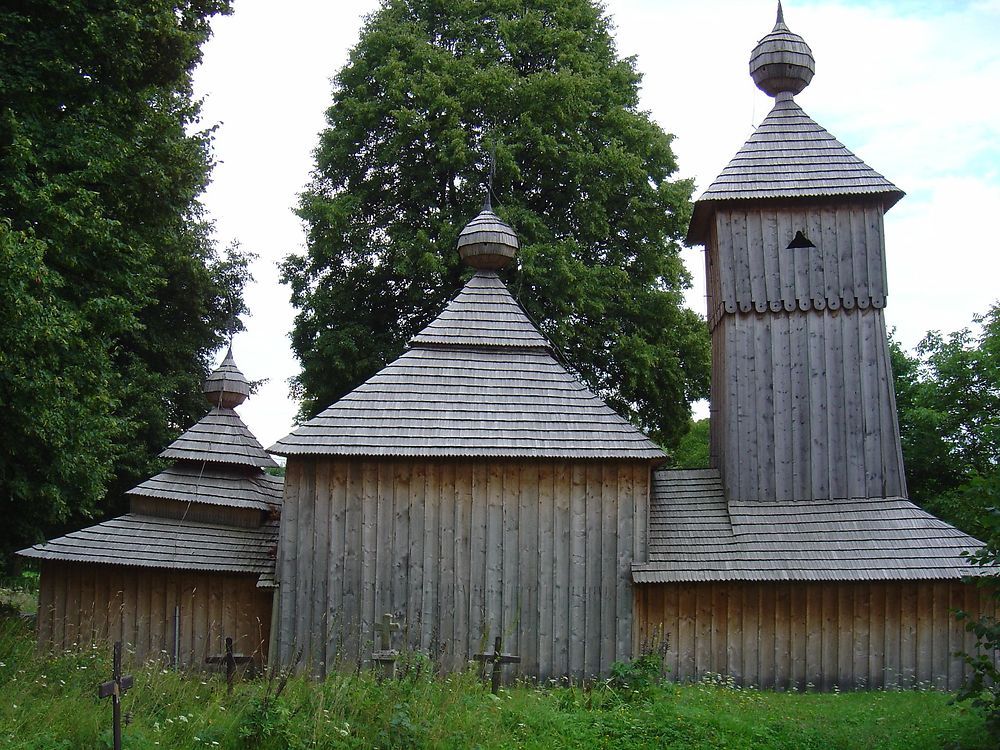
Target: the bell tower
(803, 406)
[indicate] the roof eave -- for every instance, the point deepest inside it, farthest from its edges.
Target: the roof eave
(706, 206)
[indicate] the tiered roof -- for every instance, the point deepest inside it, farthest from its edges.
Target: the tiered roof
(218, 462)
(478, 381)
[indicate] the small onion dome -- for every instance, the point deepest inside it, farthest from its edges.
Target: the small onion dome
(487, 241)
(227, 387)
(782, 61)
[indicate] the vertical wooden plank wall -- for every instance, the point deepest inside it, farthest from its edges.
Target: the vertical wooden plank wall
(794, 635)
(82, 605)
(803, 405)
(538, 552)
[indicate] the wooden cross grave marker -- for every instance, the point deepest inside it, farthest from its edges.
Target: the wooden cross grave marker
(230, 660)
(497, 659)
(386, 655)
(115, 687)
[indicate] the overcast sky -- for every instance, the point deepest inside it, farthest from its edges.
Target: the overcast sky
(910, 86)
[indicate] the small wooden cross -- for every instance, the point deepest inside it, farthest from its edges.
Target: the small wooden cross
(497, 659)
(230, 660)
(114, 688)
(386, 655)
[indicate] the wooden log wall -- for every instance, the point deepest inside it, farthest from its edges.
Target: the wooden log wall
(752, 268)
(538, 552)
(792, 635)
(246, 518)
(83, 604)
(803, 405)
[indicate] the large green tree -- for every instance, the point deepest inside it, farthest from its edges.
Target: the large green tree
(113, 293)
(584, 176)
(948, 398)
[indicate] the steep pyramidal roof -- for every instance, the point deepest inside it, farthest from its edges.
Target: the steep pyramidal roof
(483, 314)
(789, 156)
(220, 437)
(480, 380)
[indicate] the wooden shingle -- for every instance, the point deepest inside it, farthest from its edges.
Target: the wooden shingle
(695, 536)
(789, 156)
(478, 381)
(213, 484)
(152, 542)
(220, 437)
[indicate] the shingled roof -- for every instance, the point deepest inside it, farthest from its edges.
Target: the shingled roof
(790, 156)
(695, 536)
(478, 381)
(152, 542)
(212, 485)
(220, 437)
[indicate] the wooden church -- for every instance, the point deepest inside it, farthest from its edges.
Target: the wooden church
(475, 488)
(190, 565)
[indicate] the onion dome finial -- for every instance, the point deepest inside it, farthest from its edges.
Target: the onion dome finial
(226, 387)
(782, 62)
(487, 241)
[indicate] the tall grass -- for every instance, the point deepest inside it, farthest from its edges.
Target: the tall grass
(48, 703)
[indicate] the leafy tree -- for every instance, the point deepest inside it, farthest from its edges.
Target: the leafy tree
(983, 687)
(693, 451)
(948, 397)
(430, 90)
(114, 295)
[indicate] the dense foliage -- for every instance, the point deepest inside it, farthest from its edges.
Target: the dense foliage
(113, 296)
(948, 397)
(983, 688)
(692, 450)
(584, 176)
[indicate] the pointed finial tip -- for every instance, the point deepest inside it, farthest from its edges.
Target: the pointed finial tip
(782, 62)
(487, 204)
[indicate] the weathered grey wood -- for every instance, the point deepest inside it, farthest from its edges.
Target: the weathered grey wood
(447, 588)
(627, 507)
(823, 634)
(304, 625)
(463, 638)
(562, 614)
(609, 561)
(592, 579)
(400, 560)
(545, 604)
(494, 550)
(478, 607)
(510, 614)
(578, 570)
(430, 633)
